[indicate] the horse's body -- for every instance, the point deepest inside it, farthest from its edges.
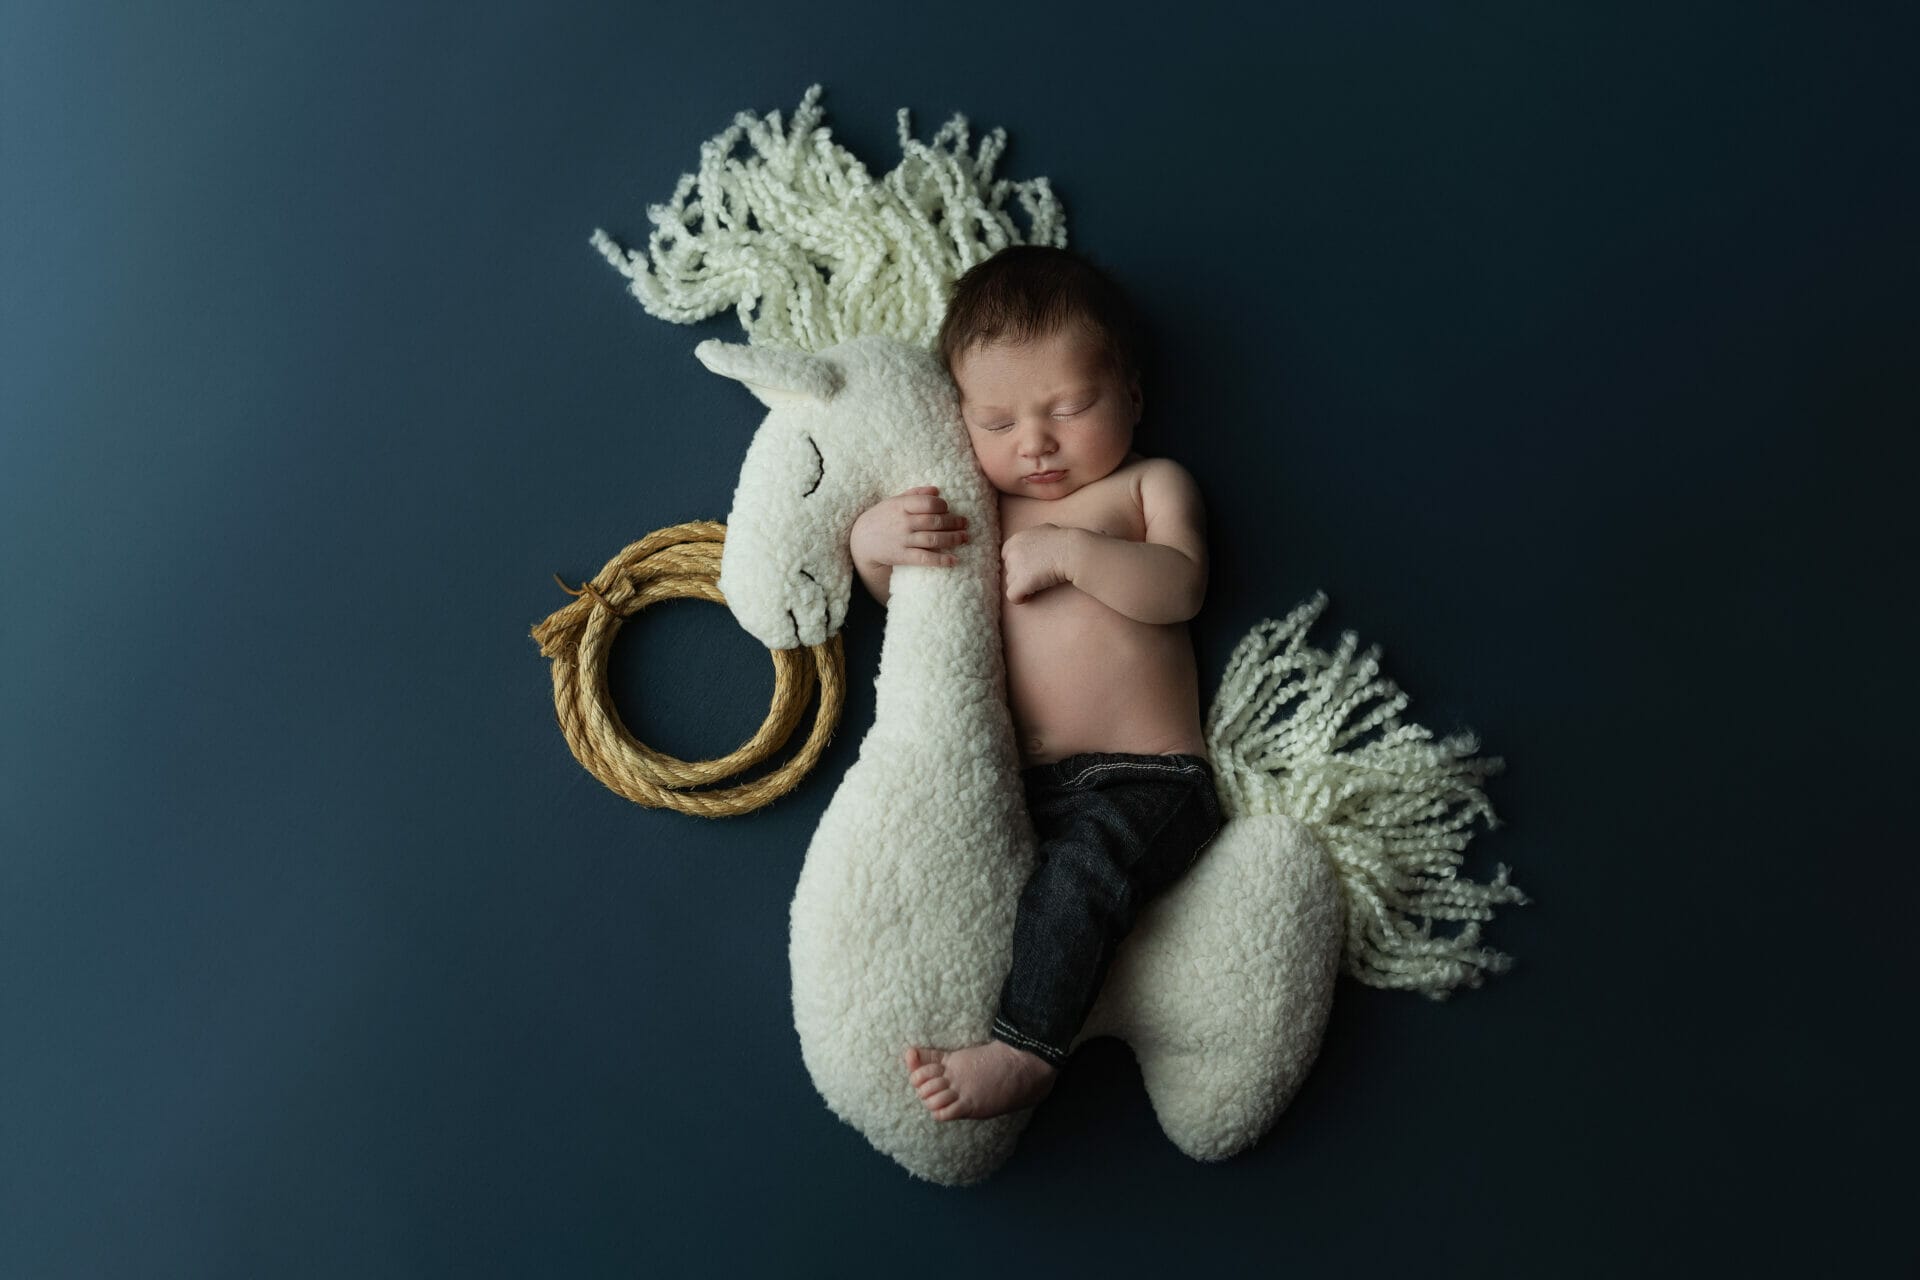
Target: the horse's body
(903, 915)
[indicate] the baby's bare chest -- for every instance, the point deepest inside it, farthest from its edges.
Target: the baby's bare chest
(1062, 642)
(1109, 506)
(1085, 677)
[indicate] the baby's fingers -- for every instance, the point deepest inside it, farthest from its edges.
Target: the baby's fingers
(925, 505)
(937, 539)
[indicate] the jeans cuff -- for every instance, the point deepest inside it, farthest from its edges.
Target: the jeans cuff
(1006, 1033)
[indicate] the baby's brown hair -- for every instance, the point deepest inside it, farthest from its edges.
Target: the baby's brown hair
(1029, 291)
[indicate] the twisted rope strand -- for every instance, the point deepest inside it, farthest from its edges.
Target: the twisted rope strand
(679, 562)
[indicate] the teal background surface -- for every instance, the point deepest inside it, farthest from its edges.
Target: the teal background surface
(1570, 348)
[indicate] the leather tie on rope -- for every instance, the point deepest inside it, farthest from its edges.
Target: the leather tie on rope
(585, 589)
(682, 561)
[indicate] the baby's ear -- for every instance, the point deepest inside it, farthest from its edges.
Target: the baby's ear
(775, 377)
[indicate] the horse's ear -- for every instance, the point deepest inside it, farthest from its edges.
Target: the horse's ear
(775, 377)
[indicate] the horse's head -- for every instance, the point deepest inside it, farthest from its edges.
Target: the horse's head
(845, 427)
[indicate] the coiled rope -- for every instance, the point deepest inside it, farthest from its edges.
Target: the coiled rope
(679, 562)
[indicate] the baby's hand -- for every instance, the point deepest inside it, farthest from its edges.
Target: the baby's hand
(1033, 560)
(909, 528)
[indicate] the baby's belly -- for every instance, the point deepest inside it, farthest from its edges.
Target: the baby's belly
(1082, 677)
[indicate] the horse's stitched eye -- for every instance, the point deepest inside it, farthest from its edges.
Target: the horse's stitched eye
(823, 468)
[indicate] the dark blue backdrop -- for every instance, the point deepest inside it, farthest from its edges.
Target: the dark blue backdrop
(1571, 349)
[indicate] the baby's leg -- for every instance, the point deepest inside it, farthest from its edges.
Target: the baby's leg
(1115, 830)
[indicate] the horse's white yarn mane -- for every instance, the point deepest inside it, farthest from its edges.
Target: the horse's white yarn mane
(810, 250)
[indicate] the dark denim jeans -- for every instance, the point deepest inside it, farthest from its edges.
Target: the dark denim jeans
(1114, 830)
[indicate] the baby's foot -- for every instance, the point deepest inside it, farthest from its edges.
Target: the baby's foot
(978, 1082)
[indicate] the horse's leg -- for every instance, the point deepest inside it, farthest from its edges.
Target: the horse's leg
(1224, 986)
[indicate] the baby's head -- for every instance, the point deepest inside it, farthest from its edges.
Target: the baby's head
(1044, 350)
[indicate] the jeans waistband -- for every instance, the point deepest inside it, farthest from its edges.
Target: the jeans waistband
(1068, 770)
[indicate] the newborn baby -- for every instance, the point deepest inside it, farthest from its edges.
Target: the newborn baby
(1104, 561)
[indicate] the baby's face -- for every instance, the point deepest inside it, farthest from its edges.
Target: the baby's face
(1046, 417)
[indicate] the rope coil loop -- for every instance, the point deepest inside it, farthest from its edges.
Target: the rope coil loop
(678, 562)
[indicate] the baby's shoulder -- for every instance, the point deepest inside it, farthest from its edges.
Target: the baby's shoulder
(1161, 482)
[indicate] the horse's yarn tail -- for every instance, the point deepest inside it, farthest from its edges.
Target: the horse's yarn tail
(1393, 810)
(809, 249)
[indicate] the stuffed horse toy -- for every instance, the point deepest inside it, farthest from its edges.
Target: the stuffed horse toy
(1343, 823)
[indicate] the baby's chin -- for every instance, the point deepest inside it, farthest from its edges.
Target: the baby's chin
(1024, 488)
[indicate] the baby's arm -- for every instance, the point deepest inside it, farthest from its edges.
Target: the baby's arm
(1160, 580)
(909, 528)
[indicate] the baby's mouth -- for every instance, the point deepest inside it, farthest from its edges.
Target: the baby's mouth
(1045, 477)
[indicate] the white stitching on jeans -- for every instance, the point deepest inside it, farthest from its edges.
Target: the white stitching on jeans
(1024, 1041)
(1081, 776)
